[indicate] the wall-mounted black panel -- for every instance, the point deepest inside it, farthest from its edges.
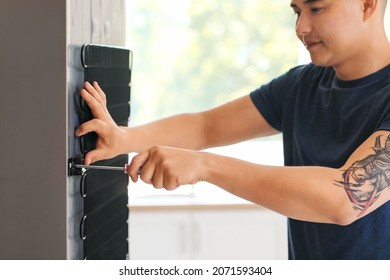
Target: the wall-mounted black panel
(104, 228)
(111, 68)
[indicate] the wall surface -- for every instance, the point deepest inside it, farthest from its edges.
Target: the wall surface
(33, 129)
(40, 77)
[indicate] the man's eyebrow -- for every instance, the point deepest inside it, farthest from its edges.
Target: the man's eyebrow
(293, 5)
(311, 1)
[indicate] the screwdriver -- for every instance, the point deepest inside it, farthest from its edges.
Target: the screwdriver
(102, 167)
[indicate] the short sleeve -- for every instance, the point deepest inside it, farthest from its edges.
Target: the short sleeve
(385, 123)
(270, 98)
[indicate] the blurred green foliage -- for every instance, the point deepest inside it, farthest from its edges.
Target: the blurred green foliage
(192, 55)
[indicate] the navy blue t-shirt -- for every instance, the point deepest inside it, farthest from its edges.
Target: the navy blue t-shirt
(323, 120)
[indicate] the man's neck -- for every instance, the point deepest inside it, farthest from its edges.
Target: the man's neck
(375, 57)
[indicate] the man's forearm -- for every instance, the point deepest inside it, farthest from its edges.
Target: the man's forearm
(181, 131)
(303, 193)
(230, 123)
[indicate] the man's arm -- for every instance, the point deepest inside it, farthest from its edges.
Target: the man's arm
(316, 194)
(230, 123)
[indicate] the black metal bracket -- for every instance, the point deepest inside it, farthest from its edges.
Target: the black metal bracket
(72, 170)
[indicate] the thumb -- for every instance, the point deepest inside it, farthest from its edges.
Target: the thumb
(93, 156)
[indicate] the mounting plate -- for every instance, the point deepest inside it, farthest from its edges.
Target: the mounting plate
(72, 171)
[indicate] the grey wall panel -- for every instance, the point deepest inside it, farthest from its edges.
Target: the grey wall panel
(33, 129)
(40, 77)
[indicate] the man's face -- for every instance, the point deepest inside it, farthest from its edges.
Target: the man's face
(331, 30)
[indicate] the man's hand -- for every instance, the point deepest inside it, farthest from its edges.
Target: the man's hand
(166, 167)
(110, 135)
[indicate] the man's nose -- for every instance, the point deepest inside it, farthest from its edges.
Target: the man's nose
(303, 26)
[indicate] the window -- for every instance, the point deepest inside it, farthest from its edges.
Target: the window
(201, 54)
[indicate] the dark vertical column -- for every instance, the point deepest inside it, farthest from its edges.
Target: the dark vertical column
(104, 227)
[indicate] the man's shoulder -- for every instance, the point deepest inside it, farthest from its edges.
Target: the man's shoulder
(309, 75)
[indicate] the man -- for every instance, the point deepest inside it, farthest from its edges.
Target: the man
(334, 115)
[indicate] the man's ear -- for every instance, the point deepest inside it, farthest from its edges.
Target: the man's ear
(369, 8)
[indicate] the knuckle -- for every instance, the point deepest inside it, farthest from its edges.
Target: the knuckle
(157, 184)
(157, 150)
(154, 150)
(146, 179)
(137, 160)
(143, 178)
(172, 183)
(170, 187)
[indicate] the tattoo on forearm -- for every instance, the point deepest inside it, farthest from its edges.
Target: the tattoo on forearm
(366, 179)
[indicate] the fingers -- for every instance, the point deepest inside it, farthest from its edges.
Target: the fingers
(95, 98)
(102, 124)
(94, 155)
(92, 125)
(96, 107)
(96, 92)
(155, 169)
(90, 158)
(137, 164)
(143, 166)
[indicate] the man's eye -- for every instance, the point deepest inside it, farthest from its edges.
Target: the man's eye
(297, 13)
(315, 10)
